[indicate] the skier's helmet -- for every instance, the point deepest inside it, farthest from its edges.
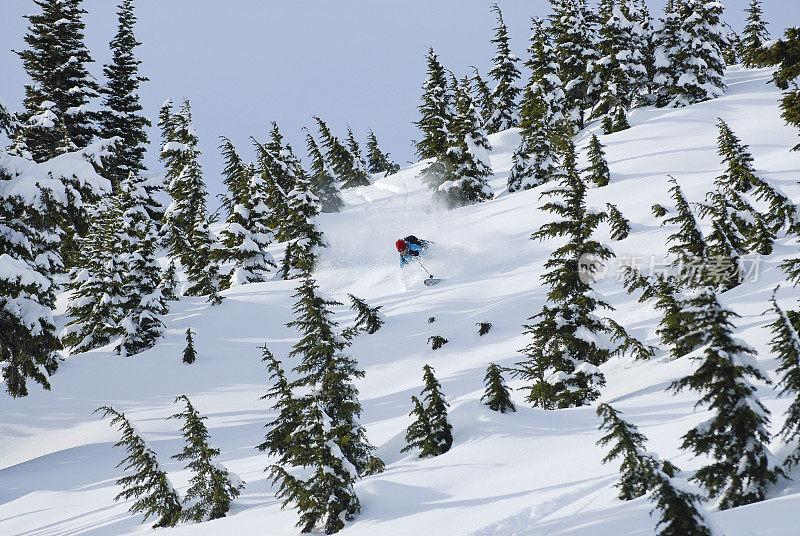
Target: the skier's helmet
(401, 245)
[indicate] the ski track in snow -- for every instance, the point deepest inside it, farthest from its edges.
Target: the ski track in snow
(530, 473)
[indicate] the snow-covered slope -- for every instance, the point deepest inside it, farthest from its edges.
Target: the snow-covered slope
(528, 473)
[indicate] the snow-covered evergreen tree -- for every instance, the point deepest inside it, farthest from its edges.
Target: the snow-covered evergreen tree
(204, 279)
(725, 244)
(324, 495)
(785, 53)
(496, 395)
(57, 118)
(506, 77)
(301, 232)
(185, 185)
(97, 303)
(212, 487)
(458, 176)
(437, 111)
(574, 42)
(29, 242)
(667, 42)
(621, 66)
(636, 469)
(360, 175)
(687, 245)
(541, 116)
(698, 60)
(377, 160)
(682, 513)
(369, 319)
(482, 95)
(561, 362)
(169, 281)
(148, 483)
(324, 366)
(598, 172)
(144, 300)
(619, 224)
(735, 436)
(318, 428)
(247, 233)
(323, 177)
(754, 35)
(785, 345)
(121, 114)
(430, 432)
(189, 353)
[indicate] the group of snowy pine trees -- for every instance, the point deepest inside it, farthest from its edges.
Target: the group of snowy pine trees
(74, 201)
(584, 65)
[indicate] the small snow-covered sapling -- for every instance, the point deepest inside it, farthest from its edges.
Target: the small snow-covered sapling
(483, 328)
(437, 341)
(189, 353)
(497, 395)
(430, 432)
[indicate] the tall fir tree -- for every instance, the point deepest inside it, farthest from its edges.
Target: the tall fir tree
(344, 158)
(248, 230)
(687, 245)
(144, 300)
(621, 66)
(682, 513)
(148, 483)
(560, 368)
(785, 345)
(57, 116)
(574, 45)
(325, 497)
(458, 177)
(482, 95)
(323, 177)
(359, 175)
(636, 469)
(184, 183)
(186, 224)
(318, 429)
(377, 160)
(785, 53)
(303, 238)
(541, 116)
(97, 303)
(725, 243)
(121, 113)
(735, 436)
(667, 43)
(506, 77)
(437, 110)
(204, 279)
(212, 487)
(496, 395)
(754, 35)
(430, 432)
(324, 366)
(698, 60)
(29, 241)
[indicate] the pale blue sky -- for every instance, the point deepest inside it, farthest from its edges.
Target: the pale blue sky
(244, 63)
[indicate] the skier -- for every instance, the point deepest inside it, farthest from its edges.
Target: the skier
(409, 247)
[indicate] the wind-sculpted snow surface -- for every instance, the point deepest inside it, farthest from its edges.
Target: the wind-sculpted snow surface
(528, 473)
